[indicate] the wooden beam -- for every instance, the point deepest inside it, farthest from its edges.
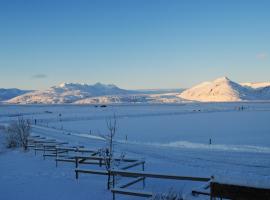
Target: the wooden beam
(157, 175)
(131, 192)
(132, 165)
(132, 182)
(195, 192)
(102, 158)
(99, 172)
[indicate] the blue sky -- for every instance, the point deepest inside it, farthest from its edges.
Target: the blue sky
(133, 43)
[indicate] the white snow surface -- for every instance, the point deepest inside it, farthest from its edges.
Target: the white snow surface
(172, 139)
(133, 99)
(67, 93)
(225, 90)
(256, 84)
(219, 90)
(6, 94)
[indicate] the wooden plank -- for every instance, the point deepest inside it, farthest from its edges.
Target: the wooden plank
(99, 172)
(196, 192)
(52, 155)
(132, 182)
(132, 165)
(102, 158)
(157, 175)
(63, 159)
(81, 150)
(230, 191)
(66, 148)
(132, 192)
(42, 149)
(44, 141)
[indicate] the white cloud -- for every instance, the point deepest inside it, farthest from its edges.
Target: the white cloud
(261, 56)
(39, 76)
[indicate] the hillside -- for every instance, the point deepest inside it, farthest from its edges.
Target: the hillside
(67, 93)
(133, 98)
(256, 85)
(219, 90)
(6, 94)
(225, 90)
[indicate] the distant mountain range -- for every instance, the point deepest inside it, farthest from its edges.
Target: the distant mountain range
(6, 94)
(67, 93)
(219, 90)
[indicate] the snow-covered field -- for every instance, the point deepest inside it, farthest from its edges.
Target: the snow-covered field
(171, 138)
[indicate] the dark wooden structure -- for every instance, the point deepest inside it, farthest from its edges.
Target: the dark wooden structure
(237, 192)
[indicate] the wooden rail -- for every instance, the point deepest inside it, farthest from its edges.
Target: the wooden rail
(157, 175)
(130, 193)
(132, 182)
(130, 165)
(99, 172)
(140, 176)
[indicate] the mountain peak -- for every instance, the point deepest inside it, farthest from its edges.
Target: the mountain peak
(222, 79)
(69, 93)
(67, 84)
(221, 89)
(101, 85)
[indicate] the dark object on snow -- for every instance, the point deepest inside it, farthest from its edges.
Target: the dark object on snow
(210, 141)
(238, 192)
(103, 106)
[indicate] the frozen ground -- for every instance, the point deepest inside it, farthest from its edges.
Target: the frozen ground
(171, 138)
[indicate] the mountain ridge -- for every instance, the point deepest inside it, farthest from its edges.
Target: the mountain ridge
(8, 93)
(224, 90)
(67, 93)
(219, 90)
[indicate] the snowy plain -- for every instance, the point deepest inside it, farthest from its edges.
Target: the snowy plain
(172, 138)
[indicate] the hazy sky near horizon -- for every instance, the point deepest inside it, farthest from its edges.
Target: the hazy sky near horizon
(133, 43)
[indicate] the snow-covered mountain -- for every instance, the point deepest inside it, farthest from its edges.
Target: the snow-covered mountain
(67, 93)
(6, 94)
(256, 85)
(225, 90)
(219, 90)
(133, 98)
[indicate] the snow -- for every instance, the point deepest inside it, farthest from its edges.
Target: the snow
(256, 85)
(225, 90)
(219, 90)
(67, 93)
(133, 99)
(172, 139)
(6, 94)
(24, 176)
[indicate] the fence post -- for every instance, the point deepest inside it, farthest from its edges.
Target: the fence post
(113, 186)
(143, 177)
(100, 162)
(35, 148)
(77, 175)
(76, 162)
(56, 153)
(44, 152)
